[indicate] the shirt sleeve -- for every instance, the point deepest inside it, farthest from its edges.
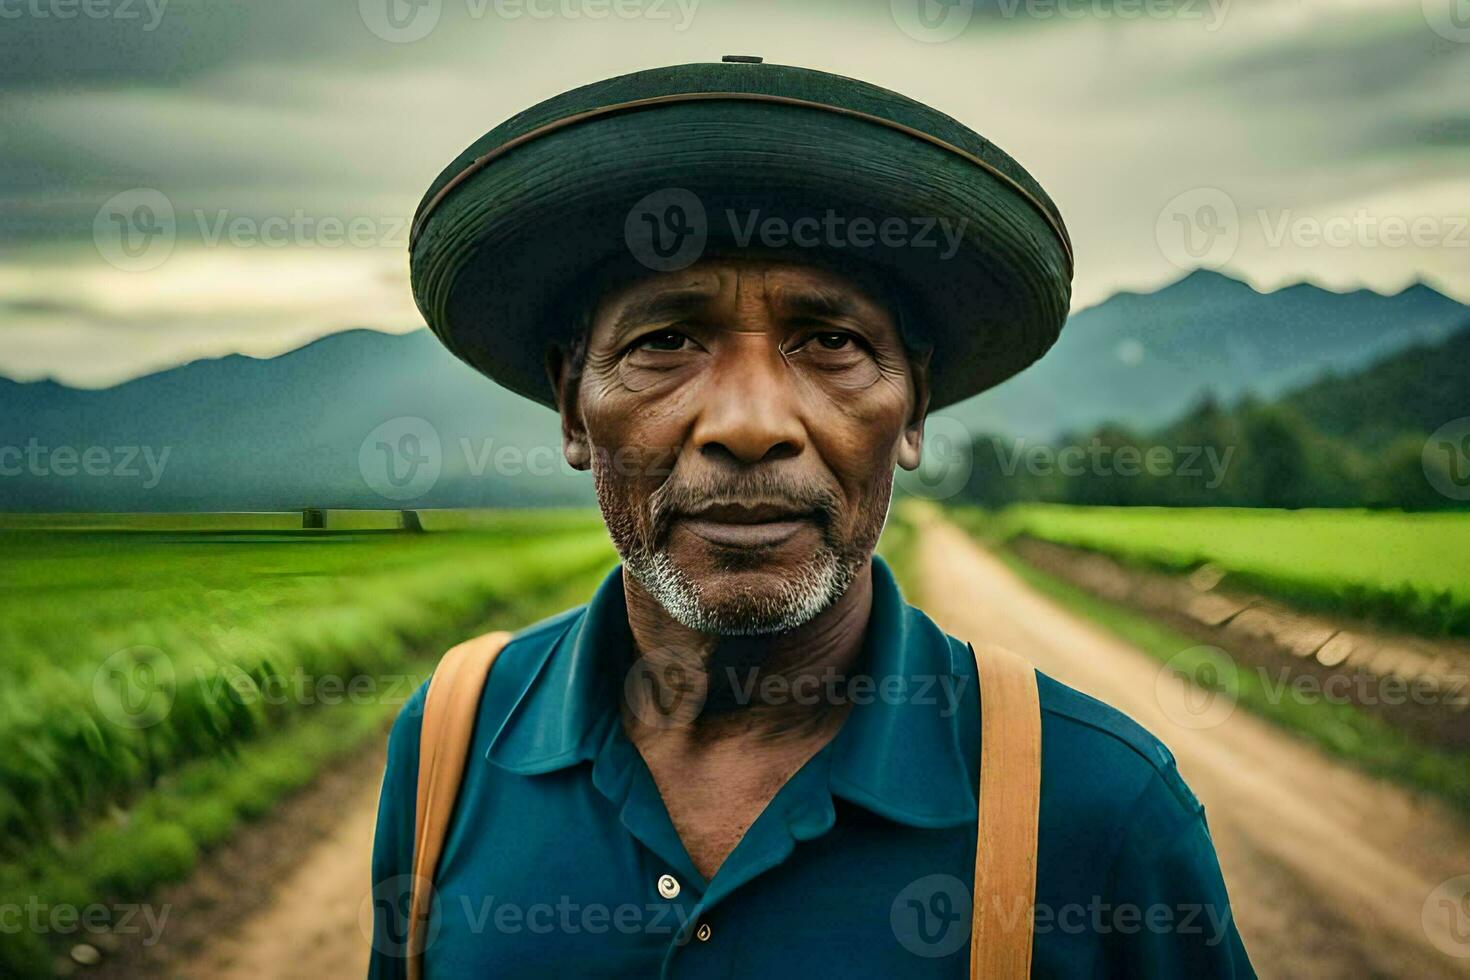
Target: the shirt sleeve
(392, 867)
(1170, 914)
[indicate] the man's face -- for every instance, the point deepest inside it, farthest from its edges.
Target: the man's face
(742, 419)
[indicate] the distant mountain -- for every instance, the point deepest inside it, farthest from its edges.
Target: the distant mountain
(367, 419)
(307, 428)
(1141, 360)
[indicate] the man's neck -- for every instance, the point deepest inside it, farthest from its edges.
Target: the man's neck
(771, 686)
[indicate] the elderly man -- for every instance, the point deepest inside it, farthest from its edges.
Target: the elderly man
(743, 286)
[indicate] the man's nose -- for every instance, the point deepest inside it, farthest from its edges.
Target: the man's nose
(748, 410)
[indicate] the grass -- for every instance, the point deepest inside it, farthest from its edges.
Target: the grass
(250, 661)
(1406, 570)
(158, 839)
(126, 654)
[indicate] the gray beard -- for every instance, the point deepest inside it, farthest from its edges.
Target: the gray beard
(819, 583)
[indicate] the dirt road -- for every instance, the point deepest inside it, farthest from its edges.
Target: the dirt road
(310, 930)
(1329, 870)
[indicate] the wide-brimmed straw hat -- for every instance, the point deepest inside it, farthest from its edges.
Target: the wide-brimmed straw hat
(647, 172)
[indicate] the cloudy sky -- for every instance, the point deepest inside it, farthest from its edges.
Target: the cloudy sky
(269, 152)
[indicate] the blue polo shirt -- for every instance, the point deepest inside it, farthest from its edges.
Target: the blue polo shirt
(561, 860)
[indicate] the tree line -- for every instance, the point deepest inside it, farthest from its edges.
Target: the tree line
(1383, 437)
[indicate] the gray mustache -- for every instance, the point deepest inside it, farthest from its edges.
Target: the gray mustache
(672, 499)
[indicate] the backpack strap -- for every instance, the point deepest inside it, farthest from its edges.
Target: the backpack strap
(450, 709)
(1009, 807)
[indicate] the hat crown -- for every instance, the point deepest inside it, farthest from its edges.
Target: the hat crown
(750, 78)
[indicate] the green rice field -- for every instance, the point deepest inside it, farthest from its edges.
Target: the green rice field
(1410, 570)
(167, 677)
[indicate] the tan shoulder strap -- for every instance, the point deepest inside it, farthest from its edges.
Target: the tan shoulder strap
(450, 709)
(1010, 800)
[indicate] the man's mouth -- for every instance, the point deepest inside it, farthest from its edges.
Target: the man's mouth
(747, 526)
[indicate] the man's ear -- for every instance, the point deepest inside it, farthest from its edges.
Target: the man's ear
(911, 441)
(564, 382)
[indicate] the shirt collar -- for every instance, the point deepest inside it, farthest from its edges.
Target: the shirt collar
(901, 752)
(562, 709)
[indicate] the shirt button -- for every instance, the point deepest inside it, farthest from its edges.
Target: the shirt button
(703, 932)
(668, 886)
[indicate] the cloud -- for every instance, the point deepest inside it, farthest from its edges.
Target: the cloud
(72, 317)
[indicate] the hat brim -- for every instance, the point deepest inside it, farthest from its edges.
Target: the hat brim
(985, 276)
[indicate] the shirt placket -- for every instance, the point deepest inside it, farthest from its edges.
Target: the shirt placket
(801, 810)
(698, 946)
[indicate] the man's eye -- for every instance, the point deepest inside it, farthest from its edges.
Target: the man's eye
(665, 340)
(834, 340)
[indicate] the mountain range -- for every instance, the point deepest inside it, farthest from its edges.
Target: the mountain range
(368, 419)
(1142, 359)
